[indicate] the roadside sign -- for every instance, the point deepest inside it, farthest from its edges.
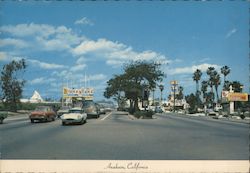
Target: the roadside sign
(243, 97)
(174, 82)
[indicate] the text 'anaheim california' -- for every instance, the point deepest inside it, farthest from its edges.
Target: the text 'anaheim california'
(131, 166)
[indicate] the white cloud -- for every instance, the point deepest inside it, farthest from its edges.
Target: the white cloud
(45, 65)
(231, 32)
(84, 21)
(204, 60)
(42, 80)
(43, 36)
(96, 77)
(23, 30)
(115, 53)
(81, 60)
(186, 70)
(13, 42)
(3, 56)
(78, 67)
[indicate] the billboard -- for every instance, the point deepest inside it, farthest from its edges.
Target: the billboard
(243, 97)
(78, 92)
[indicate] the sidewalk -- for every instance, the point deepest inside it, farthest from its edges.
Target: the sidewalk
(217, 117)
(17, 115)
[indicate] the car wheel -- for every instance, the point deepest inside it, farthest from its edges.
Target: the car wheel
(32, 121)
(63, 123)
(1, 120)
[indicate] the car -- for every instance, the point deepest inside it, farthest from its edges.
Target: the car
(43, 113)
(91, 109)
(158, 109)
(3, 115)
(102, 109)
(211, 112)
(75, 115)
(63, 110)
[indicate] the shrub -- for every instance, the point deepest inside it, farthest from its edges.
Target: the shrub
(144, 114)
(242, 116)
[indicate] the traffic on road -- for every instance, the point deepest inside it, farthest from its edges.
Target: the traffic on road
(117, 136)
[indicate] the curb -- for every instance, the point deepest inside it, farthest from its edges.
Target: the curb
(210, 118)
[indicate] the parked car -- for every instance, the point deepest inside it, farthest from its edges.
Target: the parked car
(3, 115)
(43, 113)
(75, 115)
(91, 109)
(158, 109)
(102, 109)
(211, 112)
(63, 110)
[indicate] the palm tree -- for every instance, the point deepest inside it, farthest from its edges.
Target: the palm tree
(216, 81)
(225, 70)
(204, 85)
(196, 77)
(211, 72)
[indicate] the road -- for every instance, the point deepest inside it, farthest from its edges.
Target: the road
(118, 137)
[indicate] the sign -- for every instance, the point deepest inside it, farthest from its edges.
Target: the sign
(174, 82)
(243, 97)
(78, 92)
(224, 94)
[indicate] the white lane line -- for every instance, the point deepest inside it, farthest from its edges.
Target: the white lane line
(106, 116)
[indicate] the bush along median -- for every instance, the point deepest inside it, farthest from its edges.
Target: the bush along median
(144, 114)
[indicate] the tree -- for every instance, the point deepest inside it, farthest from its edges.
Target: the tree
(180, 95)
(237, 86)
(196, 77)
(226, 85)
(12, 83)
(136, 75)
(161, 87)
(192, 101)
(212, 73)
(216, 81)
(204, 85)
(225, 70)
(115, 88)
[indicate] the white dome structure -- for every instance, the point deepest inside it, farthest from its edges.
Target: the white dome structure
(36, 98)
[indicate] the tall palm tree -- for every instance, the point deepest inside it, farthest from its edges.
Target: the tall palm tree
(225, 70)
(216, 81)
(212, 73)
(196, 77)
(204, 85)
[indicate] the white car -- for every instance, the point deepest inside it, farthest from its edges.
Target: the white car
(75, 115)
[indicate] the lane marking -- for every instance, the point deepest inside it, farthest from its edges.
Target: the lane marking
(106, 116)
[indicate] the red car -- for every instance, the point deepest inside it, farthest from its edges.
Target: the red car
(43, 113)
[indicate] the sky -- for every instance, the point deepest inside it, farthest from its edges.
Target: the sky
(84, 44)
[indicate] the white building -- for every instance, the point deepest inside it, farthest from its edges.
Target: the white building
(36, 98)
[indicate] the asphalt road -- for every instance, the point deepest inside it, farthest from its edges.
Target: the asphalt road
(118, 137)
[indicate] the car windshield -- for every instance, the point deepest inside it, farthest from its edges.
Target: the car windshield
(42, 109)
(65, 107)
(87, 103)
(75, 111)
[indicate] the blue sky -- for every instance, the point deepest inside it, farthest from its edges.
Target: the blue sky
(63, 41)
